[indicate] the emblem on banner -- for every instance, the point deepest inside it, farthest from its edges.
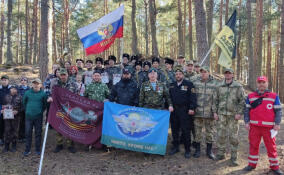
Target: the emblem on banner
(105, 31)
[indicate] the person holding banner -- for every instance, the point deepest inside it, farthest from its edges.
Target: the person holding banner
(11, 110)
(64, 82)
(125, 92)
(153, 93)
(97, 90)
(183, 97)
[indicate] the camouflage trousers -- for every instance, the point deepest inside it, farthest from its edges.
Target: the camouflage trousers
(60, 139)
(209, 125)
(227, 126)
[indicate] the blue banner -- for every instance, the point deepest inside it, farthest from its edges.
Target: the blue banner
(135, 129)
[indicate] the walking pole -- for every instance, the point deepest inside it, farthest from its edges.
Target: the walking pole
(43, 148)
(212, 46)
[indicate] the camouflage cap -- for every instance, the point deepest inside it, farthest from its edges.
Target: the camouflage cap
(178, 69)
(205, 68)
(63, 71)
(228, 70)
(190, 62)
(37, 80)
(4, 77)
(197, 65)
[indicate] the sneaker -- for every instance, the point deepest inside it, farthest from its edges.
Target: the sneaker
(71, 149)
(26, 153)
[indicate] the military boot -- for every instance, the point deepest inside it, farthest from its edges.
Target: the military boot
(174, 150)
(6, 148)
(197, 151)
(14, 146)
(209, 152)
(234, 157)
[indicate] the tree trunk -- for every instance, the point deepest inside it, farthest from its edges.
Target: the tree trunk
(269, 51)
(239, 56)
(27, 34)
(134, 29)
(200, 22)
(190, 29)
(258, 38)
(18, 34)
(146, 27)
(277, 52)
(227, 10)
(281, 82)
(33, 45)
(54, 42)
(2, 23)
(251, 75)
(184, 24)
(152, 15)
(45, 51)
(217, 68)
(9, 21)
(180, 31)
(210, 5)
(67, 45)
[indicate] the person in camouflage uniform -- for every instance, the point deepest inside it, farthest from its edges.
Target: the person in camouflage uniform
(156, 64)
(138, 70)
(97, 90)
(189, 73)
(169, 72)
(64, 82)
(205, 86)
(153, 93)
(181, 63)
(197, 68)
(228, 107)
(111, 70)
(14, 100)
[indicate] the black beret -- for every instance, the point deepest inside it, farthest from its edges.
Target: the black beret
(99, 59)
(89, 61)
(126, 55)
(112, 57)
(169, 61)
(97, 71)
(155, 59)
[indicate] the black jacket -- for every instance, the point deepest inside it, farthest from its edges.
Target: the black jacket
(125, 93)
(3, 92)
(183, 95)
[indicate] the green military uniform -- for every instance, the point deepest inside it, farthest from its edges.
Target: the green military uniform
(154, 98)
(97, 91)
(71, 86)
(203, 115)
(190, 76)
(229, 100)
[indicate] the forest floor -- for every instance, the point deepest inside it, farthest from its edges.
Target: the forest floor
(125, 162)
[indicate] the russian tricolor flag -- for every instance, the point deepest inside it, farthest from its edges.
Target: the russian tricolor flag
(100, 35)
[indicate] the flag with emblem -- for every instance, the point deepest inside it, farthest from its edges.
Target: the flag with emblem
(226, 40)
(101, 34)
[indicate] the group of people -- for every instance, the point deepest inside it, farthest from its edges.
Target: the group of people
(199, 103)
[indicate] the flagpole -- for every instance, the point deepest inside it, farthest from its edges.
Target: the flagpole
(43, 148)
(212, 46)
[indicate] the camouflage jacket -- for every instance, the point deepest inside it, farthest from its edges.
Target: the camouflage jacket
(97, 91)
(154, 98)
(204, 92)
(47, 83)
(161, 75)
(229, 99)
(189, 76)
(70, 85)
(170, 77)
(141, 77)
